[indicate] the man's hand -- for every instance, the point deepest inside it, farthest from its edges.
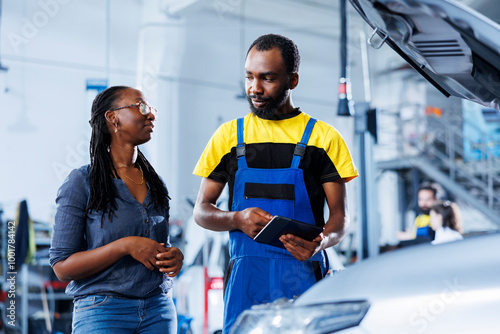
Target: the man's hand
(251, 220)
(300, 248)
(170, 261)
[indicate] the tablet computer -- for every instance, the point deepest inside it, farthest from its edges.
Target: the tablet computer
(279, 225)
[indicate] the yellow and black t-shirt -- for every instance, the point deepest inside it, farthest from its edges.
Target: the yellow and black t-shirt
(422, 227)
(270, 144)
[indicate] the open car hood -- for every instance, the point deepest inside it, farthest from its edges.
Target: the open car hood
(452, 46)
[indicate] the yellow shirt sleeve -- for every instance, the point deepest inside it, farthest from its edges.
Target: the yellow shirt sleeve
(338, 152)
(217, 147)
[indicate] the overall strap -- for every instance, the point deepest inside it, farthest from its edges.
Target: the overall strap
(240, 148)
(300, 148)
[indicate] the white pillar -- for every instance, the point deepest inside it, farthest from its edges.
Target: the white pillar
(160, 54)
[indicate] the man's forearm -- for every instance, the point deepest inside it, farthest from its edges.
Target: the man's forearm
(335, 230)
(208, 216)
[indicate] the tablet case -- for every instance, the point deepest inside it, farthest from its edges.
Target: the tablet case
(279, 225)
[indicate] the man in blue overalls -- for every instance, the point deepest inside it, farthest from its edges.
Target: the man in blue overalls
(426, 199)
(277, 160)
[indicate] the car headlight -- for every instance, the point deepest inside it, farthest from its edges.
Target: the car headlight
(315, 319)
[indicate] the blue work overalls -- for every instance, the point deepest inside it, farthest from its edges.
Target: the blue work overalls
(260, 273)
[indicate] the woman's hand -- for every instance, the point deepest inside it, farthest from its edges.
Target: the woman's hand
(144, 250)
(87, 263)
(170, 261)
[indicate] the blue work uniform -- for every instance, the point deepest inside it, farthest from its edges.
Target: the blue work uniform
(422, 228)
(260, 273)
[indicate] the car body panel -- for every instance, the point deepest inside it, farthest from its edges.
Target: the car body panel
(424, 288)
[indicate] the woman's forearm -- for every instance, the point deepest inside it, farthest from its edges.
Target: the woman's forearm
(87, 263)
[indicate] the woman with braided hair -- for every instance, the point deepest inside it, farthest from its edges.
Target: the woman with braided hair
(110, 235)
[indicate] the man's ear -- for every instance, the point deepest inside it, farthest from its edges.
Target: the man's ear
(294, 80)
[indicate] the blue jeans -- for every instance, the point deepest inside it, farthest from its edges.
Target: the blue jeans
(98, 314)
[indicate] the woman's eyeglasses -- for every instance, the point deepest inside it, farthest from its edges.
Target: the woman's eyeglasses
(143, 108)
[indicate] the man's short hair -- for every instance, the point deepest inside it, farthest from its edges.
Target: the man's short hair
(289, 51)
(429, 186)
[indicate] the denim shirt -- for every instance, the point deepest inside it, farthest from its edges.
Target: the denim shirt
(73, 232)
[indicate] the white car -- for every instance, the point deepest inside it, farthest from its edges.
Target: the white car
(432, 289)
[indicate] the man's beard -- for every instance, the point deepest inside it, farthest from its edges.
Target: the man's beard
(425, 211)
(272, 106)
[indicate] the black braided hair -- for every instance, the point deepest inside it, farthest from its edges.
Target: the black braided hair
(289, 51)
(103, 192)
